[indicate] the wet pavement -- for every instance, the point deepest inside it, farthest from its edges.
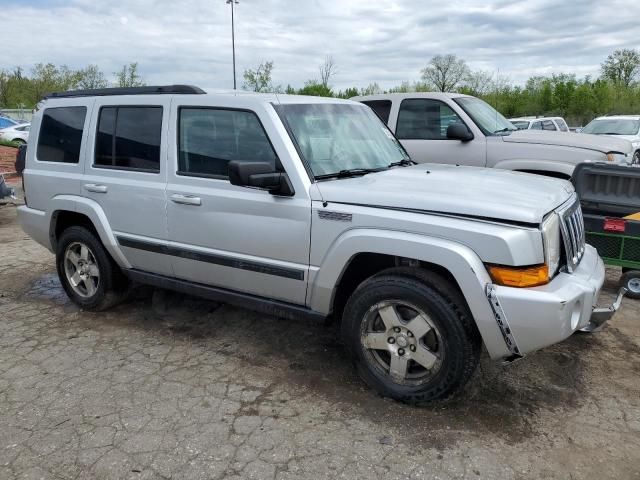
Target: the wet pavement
(169, 386)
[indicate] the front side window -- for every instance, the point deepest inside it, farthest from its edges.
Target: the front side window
(210, 138)
(520, 124)
(613, 126)
(487, 118)
(549, 125)
(128, 138)
(562, 125)
(424, 119)
(536, 126)
(335, 137)
(61, 134)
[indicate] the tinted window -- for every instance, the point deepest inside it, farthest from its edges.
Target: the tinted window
(129, 138)
(548, 125)
(424, 119)
(381, 107)
(562, 125)
(210, 138)
(61, 134)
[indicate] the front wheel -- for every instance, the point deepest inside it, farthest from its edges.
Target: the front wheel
(410, 336)
(636, 158)
(631, 281)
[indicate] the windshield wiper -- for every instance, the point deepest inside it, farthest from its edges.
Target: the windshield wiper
(506, 129)
(402, 163)
(351, 172)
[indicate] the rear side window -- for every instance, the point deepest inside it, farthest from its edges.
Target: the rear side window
(548, 125)
(425, 119)
(128, 138)
(61, 134)
(209, 139)
(562, 125)
(536, 126)
(381, 107)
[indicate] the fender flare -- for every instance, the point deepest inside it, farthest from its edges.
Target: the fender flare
(462, 262)
(92, 210)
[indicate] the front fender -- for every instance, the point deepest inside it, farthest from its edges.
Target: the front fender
(94, 212)
(462, 262)
(537, 165)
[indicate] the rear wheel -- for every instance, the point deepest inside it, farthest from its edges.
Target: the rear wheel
(410, 336)
(88, 274)
(631, 281)
(636, 158)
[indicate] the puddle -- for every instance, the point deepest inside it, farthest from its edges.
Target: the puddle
(47, 288)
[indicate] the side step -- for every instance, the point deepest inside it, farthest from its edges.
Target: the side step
(267, 306)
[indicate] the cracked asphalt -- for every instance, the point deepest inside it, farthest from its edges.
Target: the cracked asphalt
(168, 386)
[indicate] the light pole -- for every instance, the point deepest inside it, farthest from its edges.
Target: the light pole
(233, 40)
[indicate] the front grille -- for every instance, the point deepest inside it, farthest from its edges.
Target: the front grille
(572, 228)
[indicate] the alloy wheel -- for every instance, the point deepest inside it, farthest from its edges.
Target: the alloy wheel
(81, 269)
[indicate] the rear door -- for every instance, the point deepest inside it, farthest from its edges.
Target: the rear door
(422, 126)
(126, 174)
(232, 237)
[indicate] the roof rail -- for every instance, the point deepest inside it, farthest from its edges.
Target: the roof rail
(150, 90)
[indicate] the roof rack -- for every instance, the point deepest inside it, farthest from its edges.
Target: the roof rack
(150, 90)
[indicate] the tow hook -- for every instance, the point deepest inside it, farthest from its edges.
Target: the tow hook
(601, 315)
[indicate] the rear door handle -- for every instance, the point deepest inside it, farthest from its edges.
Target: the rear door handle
(186, 199)
(92, 187)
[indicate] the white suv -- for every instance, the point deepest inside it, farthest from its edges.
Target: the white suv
(620, 126)
(309, 207)
(551, 124)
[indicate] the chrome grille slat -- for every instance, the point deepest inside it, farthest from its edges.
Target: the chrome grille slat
(573, 234)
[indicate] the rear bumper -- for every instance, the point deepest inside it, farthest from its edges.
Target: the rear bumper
(541, 316)
(35, 224)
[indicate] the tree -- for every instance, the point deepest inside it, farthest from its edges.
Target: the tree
(371, 89)
(327, 70)
(622, 66)
(445, 73)
(128, 76)
(91, 77)
(259, 80)
(316, 89)
(478, 83)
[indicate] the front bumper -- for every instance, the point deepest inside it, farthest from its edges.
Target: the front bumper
(537, 317)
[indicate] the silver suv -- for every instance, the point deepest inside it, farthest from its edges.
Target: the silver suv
(309, 207)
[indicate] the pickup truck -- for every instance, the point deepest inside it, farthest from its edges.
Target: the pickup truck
(309, 207)
(463, 130)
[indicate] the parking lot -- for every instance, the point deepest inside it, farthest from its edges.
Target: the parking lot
(167, 386)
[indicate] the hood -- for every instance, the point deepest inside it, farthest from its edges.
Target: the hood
(631, 138)
(469, 191)
(600, 143)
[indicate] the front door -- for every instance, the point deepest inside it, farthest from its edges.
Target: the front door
(422, 126)
(232, 237)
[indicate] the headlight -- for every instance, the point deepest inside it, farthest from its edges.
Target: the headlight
(551, 242)
(617, 158)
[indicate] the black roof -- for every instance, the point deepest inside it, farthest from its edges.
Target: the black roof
(150, 90)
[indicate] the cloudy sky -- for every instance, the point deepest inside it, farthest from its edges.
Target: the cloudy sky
(189, 41)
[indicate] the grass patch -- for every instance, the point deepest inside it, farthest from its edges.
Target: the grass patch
(7, 143)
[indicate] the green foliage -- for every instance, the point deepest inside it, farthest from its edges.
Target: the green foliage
(128, 76)
(316, 89)
(259, 80)
(21, 90)
(8, 143)
(622, 66)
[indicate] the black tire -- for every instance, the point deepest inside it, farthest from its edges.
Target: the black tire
(636, 158)
(111, 286)
(458, 342)
(631, 281)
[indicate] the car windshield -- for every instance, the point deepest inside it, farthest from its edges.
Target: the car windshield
(339, 139)
(520, 124)
(613, 126)
(487, 118)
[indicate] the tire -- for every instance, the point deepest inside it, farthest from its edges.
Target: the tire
(631, 281)
(636, 158)
(436, 364)
(102, 285)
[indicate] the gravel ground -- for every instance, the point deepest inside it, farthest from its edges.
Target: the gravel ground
(168, 386)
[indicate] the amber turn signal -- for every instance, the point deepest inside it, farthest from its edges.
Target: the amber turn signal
(519, 277)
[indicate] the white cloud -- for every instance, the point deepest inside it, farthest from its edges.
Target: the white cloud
(189, 41)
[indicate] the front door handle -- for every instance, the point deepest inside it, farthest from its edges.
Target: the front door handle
(92, 187)
(186, 199)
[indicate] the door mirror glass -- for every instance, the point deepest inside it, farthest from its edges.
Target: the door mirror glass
(260, 175)
(459, 131)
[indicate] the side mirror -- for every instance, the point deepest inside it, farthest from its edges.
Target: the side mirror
(459, 131)
(260, 175)
(578, 130)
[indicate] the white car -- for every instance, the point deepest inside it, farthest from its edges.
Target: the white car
(17, 133)
(621, 126)
(553, 124)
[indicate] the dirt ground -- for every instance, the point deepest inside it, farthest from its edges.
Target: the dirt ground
(168, 386)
